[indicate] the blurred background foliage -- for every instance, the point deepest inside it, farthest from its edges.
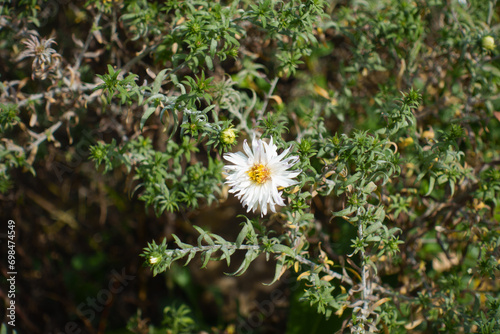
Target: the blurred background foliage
(102, 150)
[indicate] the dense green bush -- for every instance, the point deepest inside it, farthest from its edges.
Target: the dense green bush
(386, 218)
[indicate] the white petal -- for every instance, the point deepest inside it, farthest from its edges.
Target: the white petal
(247, 150)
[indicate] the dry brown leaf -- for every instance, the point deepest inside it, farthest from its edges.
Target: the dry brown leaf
(497, 115)
(276, 98)
(414, 324)
(321, 91)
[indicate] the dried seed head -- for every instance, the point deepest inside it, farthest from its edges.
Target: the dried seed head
(46, 59)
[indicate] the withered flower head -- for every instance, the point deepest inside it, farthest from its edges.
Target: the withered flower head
(46, 59)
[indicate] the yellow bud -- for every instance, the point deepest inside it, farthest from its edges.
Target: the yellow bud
(478, 205)
(488, 43)
(404, 142)
(228, 136)
(153, 259)
(428, 134)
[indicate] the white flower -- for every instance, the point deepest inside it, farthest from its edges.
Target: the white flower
(256, 176)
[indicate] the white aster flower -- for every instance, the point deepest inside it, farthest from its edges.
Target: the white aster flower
(256, 176)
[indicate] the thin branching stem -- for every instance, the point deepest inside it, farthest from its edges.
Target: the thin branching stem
(364, 276)
(36, 97)
(268, 96)
(87, 42)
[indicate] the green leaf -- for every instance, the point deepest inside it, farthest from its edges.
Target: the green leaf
(380, 213)
(208, 61)
(213, 47)
(345, 212)
(369, 188)
(180, 243)
(442, 179)
(249, 257)
(206, 256)
(191, 255)
(158, 80)
(280, 270)
(220, 240)
(353, 178)
(111, 70)
(279, 248)
(432, 180)
(372, 228)
(489, 68)
(226, 254)
(204, 235)
(242, 235)
(146, 115)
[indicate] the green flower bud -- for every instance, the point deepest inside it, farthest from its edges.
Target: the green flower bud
(228, 136)
(488, 43)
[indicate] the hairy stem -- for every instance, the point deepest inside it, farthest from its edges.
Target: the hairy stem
(364, 279)
(181, 252)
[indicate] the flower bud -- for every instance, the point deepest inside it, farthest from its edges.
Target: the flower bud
(228, 136)
(488, 43)
(154, 259)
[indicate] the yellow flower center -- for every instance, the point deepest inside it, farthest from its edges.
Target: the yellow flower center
(259, 174)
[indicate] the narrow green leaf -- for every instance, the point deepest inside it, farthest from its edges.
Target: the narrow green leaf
(369, 188)
(209, 62)
(204, 235)
(442, 179)
(191, 255)
(372, 228)
(111, 70)
(432, 180)
(345, 212)
(146, 115)
(180, 243)
(154, 97)
(242, 235)
(249, 257)
(158, 80)
(353, 178)
(220, 240)
(279, 270)
(206, 257)
(380, 213)
(123, 92)
(226, 254)
(213, 47)
(279, 248)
